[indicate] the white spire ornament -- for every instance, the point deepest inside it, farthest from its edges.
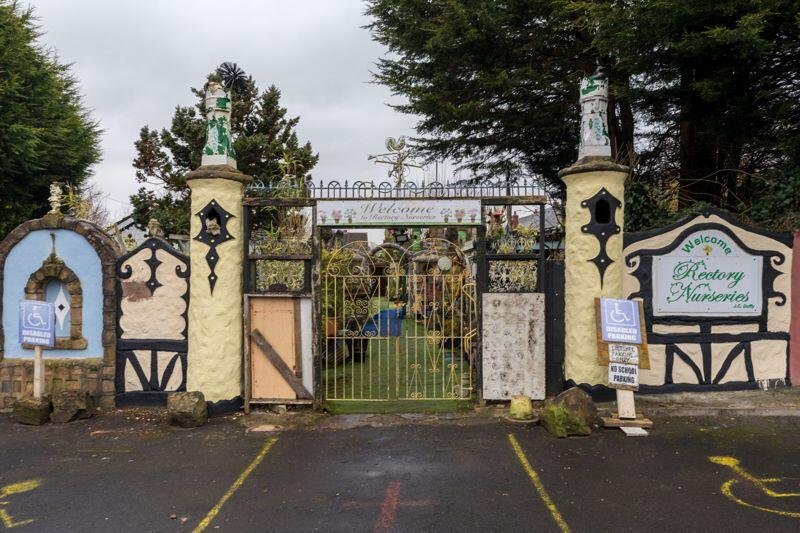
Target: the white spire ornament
(219, 144)
(55, 198)
(594, 139)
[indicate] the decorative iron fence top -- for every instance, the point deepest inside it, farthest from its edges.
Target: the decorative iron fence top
(367, 189)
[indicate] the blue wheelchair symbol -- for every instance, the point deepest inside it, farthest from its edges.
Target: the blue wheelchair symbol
(37, 317)
(621, 313)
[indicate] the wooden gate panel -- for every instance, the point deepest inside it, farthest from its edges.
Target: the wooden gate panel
(278, 360)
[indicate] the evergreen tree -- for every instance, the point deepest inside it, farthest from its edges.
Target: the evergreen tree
(263, 137)
(46, 134)
(709, 88)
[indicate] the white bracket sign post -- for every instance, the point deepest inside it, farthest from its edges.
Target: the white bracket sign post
(622, 346)
(37, 328)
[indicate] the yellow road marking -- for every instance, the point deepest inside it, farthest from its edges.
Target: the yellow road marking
(733, 464)
(726, 490)
(15, 488)
(236, 484)
(759, 482)
(538, 484)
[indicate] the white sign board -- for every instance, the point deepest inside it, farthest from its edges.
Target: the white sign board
(619, 320)
(36, 323)
(402, 212)
(622, 376)
(707, 275)
(623, 353)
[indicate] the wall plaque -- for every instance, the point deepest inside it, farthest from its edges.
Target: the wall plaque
(707, 275)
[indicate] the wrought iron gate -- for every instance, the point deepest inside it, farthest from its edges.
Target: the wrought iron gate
(398, 324)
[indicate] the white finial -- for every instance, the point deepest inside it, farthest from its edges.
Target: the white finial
(219, 144)
(594, 139)
(55, 198)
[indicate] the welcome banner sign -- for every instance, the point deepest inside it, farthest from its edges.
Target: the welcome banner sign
(708, 274)
(388, 212)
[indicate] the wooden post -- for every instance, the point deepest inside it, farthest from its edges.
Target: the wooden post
(625, 405)
(38, 372)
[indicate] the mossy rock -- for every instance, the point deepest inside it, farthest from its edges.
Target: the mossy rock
(562, 422)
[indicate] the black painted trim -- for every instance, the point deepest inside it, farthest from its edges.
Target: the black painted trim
(554, 326)
(213, 240)
(142, 399)
(162, 345)
(602, 231)
(602, 393)
(225, 406)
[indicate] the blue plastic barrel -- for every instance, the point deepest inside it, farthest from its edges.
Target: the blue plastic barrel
(389, 321)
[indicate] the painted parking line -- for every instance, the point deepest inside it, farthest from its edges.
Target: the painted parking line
(537, 483)
(236, 484)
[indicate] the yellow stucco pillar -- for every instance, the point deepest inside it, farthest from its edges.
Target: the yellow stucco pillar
(214, 360)
(589, 181)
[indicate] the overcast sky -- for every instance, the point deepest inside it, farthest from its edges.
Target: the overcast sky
(136, 61)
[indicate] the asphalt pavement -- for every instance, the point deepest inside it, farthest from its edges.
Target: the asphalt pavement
(128, 471)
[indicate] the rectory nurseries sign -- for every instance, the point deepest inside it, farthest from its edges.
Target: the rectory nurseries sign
(708, 274)
(386, 212)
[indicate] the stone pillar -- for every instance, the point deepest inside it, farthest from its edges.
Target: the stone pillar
(593, 242)
(214, 360)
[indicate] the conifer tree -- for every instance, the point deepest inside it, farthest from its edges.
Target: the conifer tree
(263, 137)
(46, 134)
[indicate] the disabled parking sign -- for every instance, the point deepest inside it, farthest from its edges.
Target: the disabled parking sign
(36, 323)
(619, 321)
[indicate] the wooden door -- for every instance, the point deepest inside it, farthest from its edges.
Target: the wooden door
(277, 319)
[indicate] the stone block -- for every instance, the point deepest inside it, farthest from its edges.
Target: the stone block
(72, 405)
(32, 411)
(109, 338)
(580, 404)
(106, 401)
(562, 422)
(187, 409)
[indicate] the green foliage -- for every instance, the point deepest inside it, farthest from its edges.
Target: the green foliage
(778, 203)
(709, 88)
(46, 134)
(265, 143)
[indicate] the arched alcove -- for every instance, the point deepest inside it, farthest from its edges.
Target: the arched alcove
(54, 269)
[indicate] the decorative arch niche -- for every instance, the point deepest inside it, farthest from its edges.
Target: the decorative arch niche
(53, 268)
(108, 251)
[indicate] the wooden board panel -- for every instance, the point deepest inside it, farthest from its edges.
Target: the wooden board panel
(275, 318)
(602, 346)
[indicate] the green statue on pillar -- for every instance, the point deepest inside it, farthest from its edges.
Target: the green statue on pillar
(594, 139)
(219, 144)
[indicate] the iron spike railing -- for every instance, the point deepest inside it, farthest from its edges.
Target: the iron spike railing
(369, 189)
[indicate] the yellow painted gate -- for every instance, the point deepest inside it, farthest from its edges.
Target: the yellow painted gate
(397, 324)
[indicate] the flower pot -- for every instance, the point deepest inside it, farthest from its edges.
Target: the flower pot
(330, 327)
